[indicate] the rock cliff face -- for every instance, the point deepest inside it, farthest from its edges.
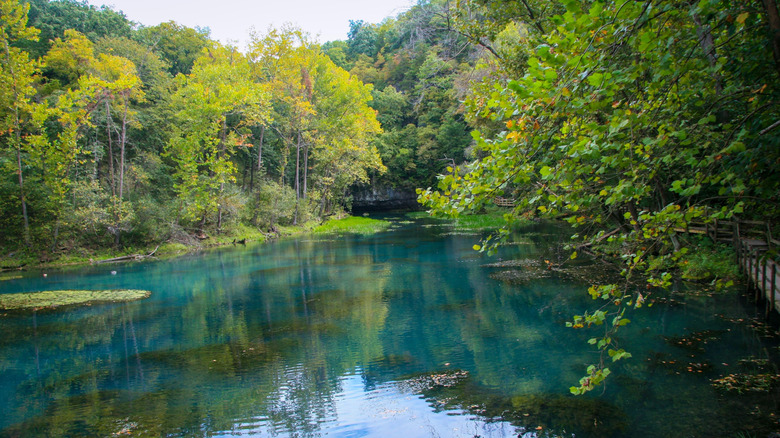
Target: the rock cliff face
(383, 199)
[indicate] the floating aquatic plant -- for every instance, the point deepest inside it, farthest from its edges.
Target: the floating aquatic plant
(56, 298)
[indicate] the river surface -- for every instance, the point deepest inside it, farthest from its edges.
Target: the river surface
(407, 333)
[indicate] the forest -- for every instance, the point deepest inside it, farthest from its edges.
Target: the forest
(627, 119)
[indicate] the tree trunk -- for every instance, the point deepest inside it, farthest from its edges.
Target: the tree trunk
(202, 223)
(22, 197)
(707, 43)
(111, 175)
(259, 172)
(95, 161)
(122, 143)
(298, 168)
(18, 139)
(219, 212)
(55, 235)
(221, 184)
(773, 20)
(260, 149)
(305, 169)
(297, 178)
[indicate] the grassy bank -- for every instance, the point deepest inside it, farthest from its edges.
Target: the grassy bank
(20, 260)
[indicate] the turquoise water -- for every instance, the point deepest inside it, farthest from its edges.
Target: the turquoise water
(404, 333)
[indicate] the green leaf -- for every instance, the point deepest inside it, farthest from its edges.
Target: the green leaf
(595, 79)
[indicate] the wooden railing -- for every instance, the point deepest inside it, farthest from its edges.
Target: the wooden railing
(504, 202)
(757, 254)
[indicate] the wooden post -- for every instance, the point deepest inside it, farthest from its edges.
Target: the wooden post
(738, 251)
(766, 290)
(715, 232)
(755, 270)
(774, 273)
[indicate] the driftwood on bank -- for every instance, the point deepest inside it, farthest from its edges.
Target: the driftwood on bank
(126, 258)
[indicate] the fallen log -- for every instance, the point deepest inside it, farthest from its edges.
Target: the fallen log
(126, 258)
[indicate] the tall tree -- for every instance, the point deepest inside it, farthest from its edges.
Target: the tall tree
(17, 76)
(342, 133)
(214, 106)
(116, 81)
(53, 18)
(179, 45)
(104, 81)
(284, 60)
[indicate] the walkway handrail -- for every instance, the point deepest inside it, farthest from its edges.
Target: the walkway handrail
(756, 249)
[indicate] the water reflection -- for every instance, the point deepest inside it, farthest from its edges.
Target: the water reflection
(401, 333)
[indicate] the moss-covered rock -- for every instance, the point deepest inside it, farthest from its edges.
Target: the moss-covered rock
(55, 298)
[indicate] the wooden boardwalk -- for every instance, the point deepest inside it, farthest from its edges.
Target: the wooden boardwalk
(757, 255)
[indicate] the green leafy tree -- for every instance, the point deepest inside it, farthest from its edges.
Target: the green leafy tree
(363, 39)
(116, 80)
(214, 104)
(17, 77)
(103, 81)
(320, 114)
(55, 152)
(53, 18)
(285, 60)
(178, 45)
(343, 130)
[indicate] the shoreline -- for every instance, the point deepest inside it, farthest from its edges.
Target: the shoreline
(167, 250)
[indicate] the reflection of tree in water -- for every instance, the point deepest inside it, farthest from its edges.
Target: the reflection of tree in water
(303, 400)
(545, 415)
(229, 359)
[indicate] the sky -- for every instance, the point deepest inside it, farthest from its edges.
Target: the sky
(230, 21)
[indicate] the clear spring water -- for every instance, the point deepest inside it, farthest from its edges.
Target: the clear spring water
(404, 333)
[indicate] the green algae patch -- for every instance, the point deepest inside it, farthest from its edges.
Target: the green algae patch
(353, 224)
(56, 298)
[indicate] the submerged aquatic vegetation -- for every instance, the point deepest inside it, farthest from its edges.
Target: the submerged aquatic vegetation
(427, 382)
(56, 298)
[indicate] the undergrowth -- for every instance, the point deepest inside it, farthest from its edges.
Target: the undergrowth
(707, 260)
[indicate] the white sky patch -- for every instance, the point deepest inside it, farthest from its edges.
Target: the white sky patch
(231, 21)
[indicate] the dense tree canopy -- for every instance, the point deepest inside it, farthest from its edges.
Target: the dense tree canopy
(116, 135)
(415, 63)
